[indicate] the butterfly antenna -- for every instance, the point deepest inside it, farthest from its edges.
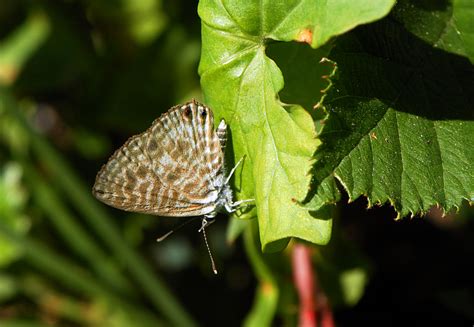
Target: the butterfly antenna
(162, 238)
(203, 229)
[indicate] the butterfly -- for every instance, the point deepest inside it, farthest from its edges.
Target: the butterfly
(175, 168)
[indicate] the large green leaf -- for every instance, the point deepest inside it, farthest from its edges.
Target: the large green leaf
(401, 123)
(241, 84)
(447, 25)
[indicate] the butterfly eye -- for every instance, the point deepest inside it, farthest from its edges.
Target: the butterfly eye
(204, 113)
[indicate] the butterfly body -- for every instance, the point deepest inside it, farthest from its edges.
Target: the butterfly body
(175, 168)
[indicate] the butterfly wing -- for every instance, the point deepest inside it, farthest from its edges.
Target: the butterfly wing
(175, 168)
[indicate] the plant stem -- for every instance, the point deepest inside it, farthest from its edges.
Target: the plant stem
(304, 283)
(266, 299)
(312, 299)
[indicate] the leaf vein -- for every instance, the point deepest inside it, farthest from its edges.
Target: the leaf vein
(242, 36)
(277, 26)
(230, 16)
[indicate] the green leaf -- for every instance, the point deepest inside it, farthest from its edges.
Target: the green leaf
(241, 84)
(401, 123)
(448, 26)
(463, 13)
(319, 20)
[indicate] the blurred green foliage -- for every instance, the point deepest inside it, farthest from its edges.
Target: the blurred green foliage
(77, 77)
(70, 71)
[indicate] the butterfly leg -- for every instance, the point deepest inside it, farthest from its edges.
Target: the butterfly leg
(233, 170)
(206, 221)
(238, 203)
(232, 207)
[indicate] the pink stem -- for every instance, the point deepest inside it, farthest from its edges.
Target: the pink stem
(312, 299)
(304, 282)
